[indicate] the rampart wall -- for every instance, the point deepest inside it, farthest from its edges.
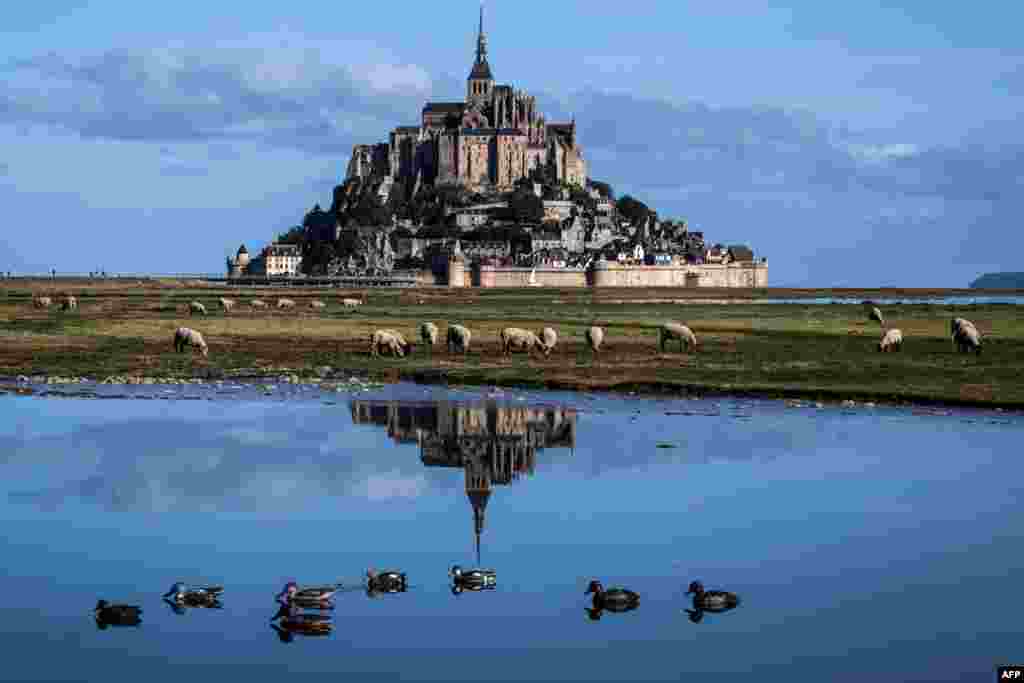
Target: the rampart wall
(739, 275)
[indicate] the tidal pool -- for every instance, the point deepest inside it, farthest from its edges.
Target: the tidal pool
(863, 542)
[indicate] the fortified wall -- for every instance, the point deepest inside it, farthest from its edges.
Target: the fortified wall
(736, 275)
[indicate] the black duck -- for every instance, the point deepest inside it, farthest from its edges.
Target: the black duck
(472, 579)
(117, 615)
(385, 582)
(714, 602)
(206, 596)
(611, 600)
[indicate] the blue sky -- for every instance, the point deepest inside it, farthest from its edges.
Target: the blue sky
(859, 145)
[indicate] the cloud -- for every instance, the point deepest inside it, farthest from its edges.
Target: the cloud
(290, 98)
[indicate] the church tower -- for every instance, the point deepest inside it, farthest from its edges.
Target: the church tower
(480, 84)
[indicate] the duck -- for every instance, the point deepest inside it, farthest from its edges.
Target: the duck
(472, 579)
(385, 582)
(715, 602)
(205, 596)
(612, 599)
(116, 615)
(319, 595)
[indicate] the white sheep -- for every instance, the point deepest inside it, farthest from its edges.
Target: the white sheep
(42, 302)
(968, 339)
(285, 303)
(892, 340)
(227, 304)
(184, 336)
(458, 338)
(257, 303)
(387, 341)
(428, 333)
(351, 303)
(516, 339)
(69, 303)
(672, 330)
(406, 346)
(317, 305)
(549, 337)
(958, 325)
(196, 307)
(594, 335)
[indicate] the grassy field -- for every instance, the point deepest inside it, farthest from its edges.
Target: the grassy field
(824, 352)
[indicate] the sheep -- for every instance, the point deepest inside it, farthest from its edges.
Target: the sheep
(184, 336)
(351, 303)
(550, 338)
(317, 305)
(876, 315)
(196, 307)
(516, 339)
(892, 340)
(428, 333)
(69, 303)
(673, 330)
(227, 304)
(968, 338)
(386, 340)
(42, 302)
(594, 335)
(458, 337)
(955, 327)
(285, 303)
(257, 303)
(406, 346)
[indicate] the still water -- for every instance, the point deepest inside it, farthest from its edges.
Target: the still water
(877, 542)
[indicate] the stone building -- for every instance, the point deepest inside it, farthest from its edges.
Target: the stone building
(276, 260)
(493, 138)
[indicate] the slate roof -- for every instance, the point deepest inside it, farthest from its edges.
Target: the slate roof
(447, 107)
(740, 252)
(481, 71)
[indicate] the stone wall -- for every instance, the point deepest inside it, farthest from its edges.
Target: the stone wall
(733, 275)
(708, 275)
(495, 276)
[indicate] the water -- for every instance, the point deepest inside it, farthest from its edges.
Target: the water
(958, 300)
(863, 542)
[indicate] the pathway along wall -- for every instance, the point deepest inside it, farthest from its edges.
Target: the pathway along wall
(735, 275)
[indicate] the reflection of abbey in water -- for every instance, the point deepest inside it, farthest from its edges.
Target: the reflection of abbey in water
(493, 444)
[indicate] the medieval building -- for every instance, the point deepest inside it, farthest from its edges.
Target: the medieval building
(491, 140)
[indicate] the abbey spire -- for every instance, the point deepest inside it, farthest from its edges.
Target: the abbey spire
(480, 84)
(481, 40)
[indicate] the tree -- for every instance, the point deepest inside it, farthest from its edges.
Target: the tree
(633, 210)
(294, 235)
(527, 207)
(604, 188)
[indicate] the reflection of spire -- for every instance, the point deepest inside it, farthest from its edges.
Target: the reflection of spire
(478, 490)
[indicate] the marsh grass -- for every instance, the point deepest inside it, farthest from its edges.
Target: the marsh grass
(779, 349)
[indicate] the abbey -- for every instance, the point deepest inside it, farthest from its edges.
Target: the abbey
(491, 140)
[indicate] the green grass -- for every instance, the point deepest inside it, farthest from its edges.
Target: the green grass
(822, 351)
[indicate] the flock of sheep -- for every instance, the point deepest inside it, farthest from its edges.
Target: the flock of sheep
(67, 303)
(964, 333)
(228, 305)
(511, 339)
